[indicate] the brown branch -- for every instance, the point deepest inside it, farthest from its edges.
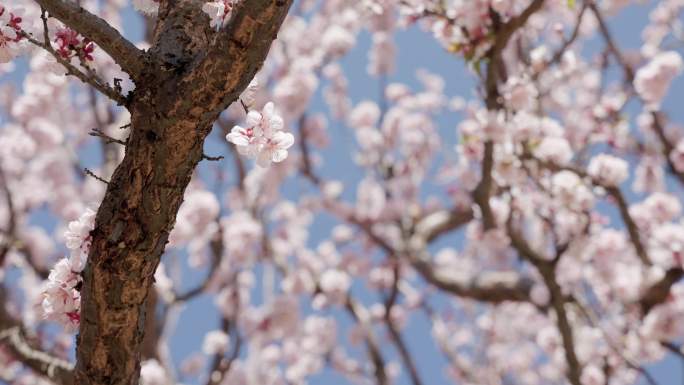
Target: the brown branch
(547, 271)
(150, 345)
(675, 349)
(216, 253)
(503, 34)
(109, 152)
(616, 194)
(306, 166)
(395, 334)
(629, 73)
(558, 303)
(404, 353)
(660, 291)
(436, 224)
(213, 158)
(6, 245)
(593, 321)
(103, 88)
(632, 228)
(10, 240)
(220, 364)
(124, 53)
(573, 36)
(372, 345)
(491, 287)
(92, 174)
(612, 46)
(107, 139)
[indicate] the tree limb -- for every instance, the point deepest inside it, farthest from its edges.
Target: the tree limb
(659, 291)
(124, 53)
(502, 35)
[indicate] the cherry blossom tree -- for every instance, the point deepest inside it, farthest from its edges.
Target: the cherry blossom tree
(544, 246)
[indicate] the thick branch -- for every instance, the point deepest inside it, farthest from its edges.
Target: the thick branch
(659, 291)
(503, 34)
(616, 194)
(404, 353)
(124, 53)
(433, 225)
(493, 287)
(372, 345)
(235, 53)
(558, 302)
(547, 269)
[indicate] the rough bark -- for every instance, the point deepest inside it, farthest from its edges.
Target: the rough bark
(190, 78)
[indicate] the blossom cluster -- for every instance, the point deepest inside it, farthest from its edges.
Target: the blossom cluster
(71, 44)
(262, 137)
(10, 34)
(62, 297)
(653, 80)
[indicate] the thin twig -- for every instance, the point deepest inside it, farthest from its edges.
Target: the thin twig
(105, 89)
(212, 158)
(88, 172)
(108, 139)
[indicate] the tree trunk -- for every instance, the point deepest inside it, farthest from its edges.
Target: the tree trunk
(191, 75)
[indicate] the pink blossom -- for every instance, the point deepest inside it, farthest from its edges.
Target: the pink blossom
(78, 239)
(365, 114)
(215, 342)
(275, 149)
(219, 12)
(294, 91)
(653, 80)
(262, 138)
(196, 217)
(519, 93)
(152, 373)
(335, 283)
(8, 38)
(370, 199)
(337, 40)
(608, 170)
(554, 149)
(677, 156)
(61, 301)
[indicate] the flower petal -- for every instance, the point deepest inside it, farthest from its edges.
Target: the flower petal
(278, 156)
(283, 140)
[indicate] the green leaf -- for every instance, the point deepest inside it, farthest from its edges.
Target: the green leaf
(571, 4)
